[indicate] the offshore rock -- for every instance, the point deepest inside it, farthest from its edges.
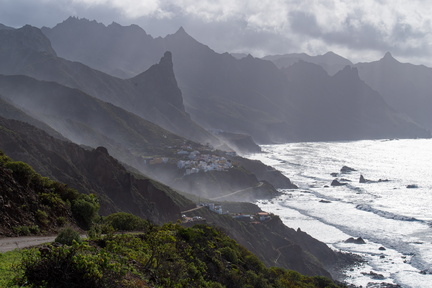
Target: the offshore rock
(346, 169)
(359, 240)
(337, 183)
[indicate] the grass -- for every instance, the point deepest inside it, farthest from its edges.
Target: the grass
(8, 262)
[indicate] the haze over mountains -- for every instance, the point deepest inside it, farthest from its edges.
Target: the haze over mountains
(247, 95)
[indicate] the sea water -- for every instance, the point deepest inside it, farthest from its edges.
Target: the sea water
(384, 211)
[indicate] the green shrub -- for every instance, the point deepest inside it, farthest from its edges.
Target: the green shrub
(22, 230)
(61, 221)
(42, 217)
(229, 254)
(21, 171)
(67, 236)
(85, 209)
(122, 221)
(51, 199)
(77, 266)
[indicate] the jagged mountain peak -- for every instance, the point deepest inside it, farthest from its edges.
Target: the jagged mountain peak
(388, 58)
(388, 55)
(73, 21)
(25, 38)
(166, 60)
(180, 34)
(181, 31)
(349, 70)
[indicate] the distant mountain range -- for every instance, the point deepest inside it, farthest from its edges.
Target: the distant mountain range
(405, 87)
(248, 95)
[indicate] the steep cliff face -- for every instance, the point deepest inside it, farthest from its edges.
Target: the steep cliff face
(89, 171)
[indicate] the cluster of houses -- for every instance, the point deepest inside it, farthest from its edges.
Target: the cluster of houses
(195, 162)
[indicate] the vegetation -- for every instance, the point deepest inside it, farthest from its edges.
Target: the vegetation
(8, 261)
(162, 256)
(67, 236)
(122, 221)
(50, 203)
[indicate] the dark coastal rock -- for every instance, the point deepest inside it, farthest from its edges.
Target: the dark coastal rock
(337, 183)
(374, 275)
(359, 240)
(334, 174)
(412, 186)
(324, 201)
(364, 180)
(346, 169)
(382, 248)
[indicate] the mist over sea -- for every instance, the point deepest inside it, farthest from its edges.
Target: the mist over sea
(386, 214)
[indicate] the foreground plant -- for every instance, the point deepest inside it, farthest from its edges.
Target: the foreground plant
(167, 256)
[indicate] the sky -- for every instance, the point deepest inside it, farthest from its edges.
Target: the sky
(361, 31)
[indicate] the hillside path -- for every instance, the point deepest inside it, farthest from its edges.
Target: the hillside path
(239, 191)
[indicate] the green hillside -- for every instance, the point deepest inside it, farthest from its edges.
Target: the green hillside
(161, 256)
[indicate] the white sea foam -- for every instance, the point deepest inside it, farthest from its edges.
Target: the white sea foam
(384, 213)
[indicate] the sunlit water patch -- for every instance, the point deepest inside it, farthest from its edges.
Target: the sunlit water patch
(384, 211)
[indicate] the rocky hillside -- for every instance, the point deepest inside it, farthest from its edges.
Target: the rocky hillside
(32, 204)
(280, 246)
(90, 171)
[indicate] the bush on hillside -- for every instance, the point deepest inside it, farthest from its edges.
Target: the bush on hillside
(67, 236)
(85, 209)
(122, 221)
(166, 256)
(21, 171)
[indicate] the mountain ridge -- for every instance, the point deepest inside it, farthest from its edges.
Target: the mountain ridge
(247, 96)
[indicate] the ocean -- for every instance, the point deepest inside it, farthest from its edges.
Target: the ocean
(392, 212)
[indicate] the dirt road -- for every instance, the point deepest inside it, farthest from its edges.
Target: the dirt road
(11, 243)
